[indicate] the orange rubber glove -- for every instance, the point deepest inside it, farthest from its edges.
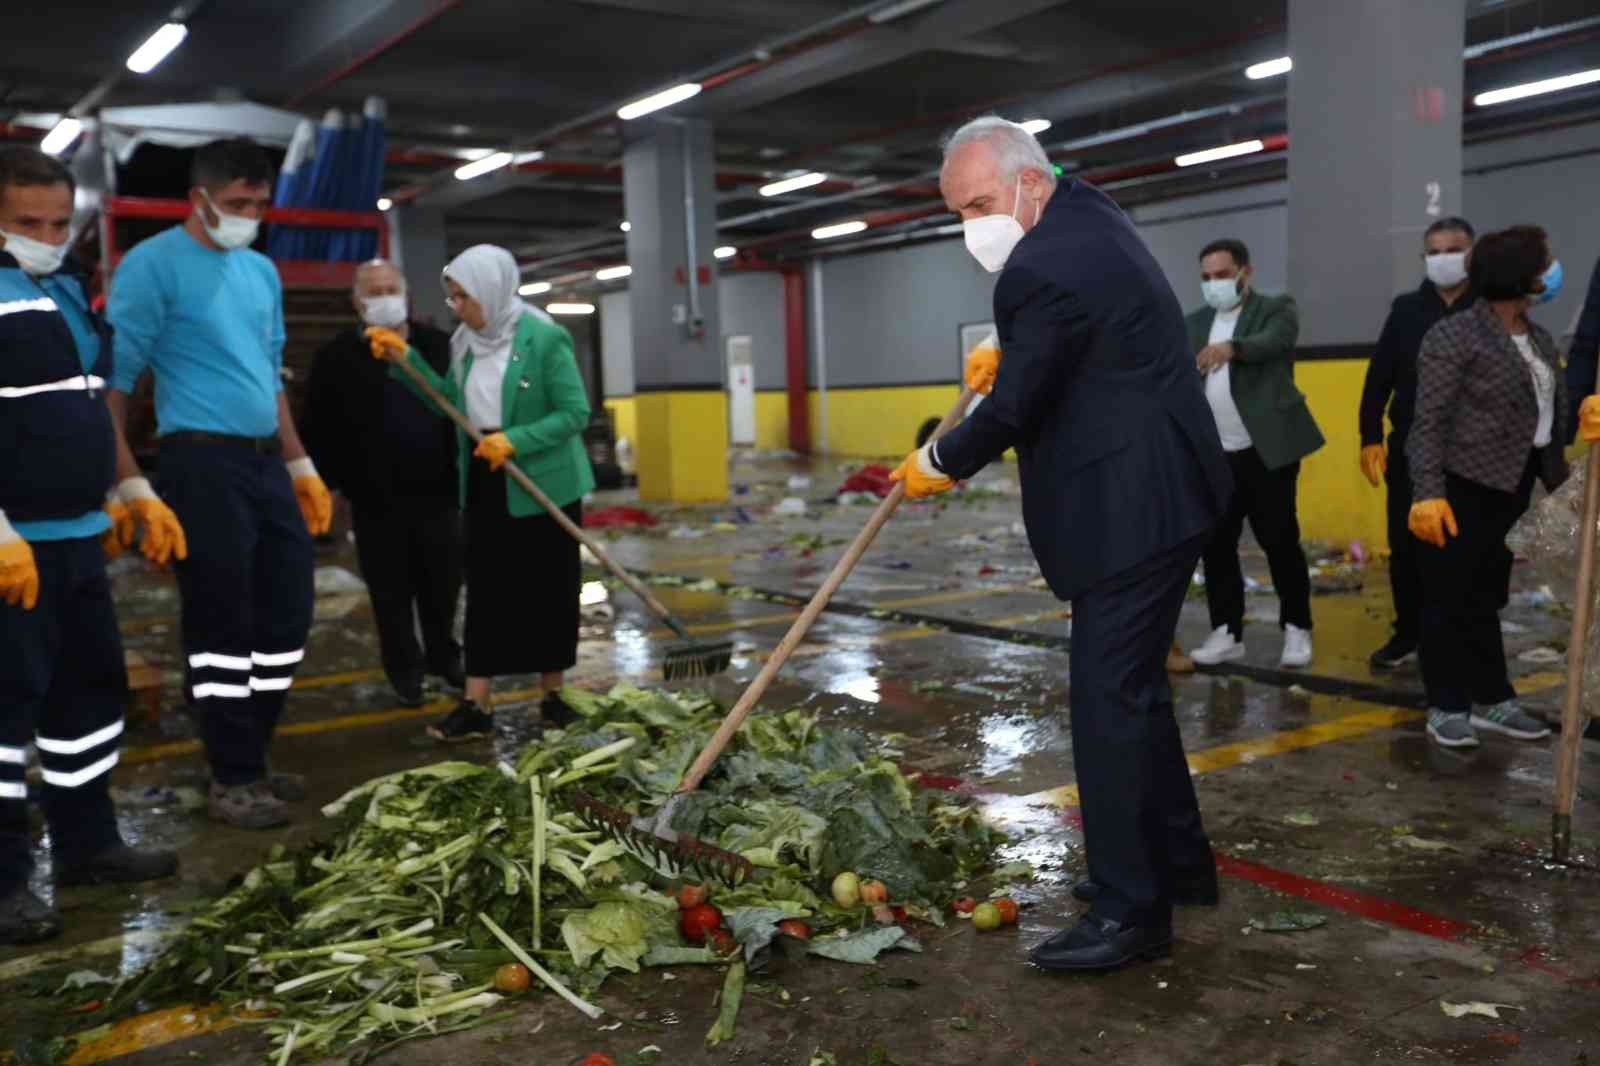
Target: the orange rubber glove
(495, 449)
(386, 343)
(1432, 520)
(316, 502)
(922, 479)
(162, 539)
(19, 574)
(120, 535)
(1374, 463)
(1589, 419)
(983, 363)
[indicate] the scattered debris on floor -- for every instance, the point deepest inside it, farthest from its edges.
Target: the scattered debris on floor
(445, 890)
(1286, 922)
(1484, 1010)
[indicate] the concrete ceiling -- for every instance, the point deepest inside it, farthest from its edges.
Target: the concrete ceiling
(792, 84)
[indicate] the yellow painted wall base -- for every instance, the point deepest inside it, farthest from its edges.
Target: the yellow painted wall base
(624, 418)
(1337, 505)
(682, 446)
(878, 421)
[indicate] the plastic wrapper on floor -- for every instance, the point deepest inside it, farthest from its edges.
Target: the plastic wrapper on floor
(1548, 535)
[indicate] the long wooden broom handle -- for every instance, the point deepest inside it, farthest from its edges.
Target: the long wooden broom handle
(573, 529)
(802, 625)
(1572, 716)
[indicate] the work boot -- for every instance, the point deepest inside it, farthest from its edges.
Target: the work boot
(1177, 662)
(467, 722)
(1395, 654)
(1453, 729)
(119, 864)
(554, 710)
(251, 806)
(1511, 720)
(26, 919)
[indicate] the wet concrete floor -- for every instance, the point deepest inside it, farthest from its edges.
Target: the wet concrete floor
(1321, 794)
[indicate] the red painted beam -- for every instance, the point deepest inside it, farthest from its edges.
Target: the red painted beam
(794, 328)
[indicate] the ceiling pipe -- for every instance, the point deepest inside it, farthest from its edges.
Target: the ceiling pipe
(374, 52)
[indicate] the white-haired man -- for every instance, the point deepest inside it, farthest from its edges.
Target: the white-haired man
(1123, 478)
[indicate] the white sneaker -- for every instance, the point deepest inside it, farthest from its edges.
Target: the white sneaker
(1220, 647)
(1296, 648)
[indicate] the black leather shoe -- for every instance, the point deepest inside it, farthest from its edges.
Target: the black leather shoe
(1395, 654)
(119, 864)
(26, 919)
(1197, 894)
(554, 710)
(1101, 944)
(467, 722)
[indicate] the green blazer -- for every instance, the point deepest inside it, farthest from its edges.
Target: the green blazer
(545, 406)
(1262, 376)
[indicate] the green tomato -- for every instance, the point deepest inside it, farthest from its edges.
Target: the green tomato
(986, 916)
(847, 890)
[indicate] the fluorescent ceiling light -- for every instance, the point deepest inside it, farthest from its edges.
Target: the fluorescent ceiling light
(570, 309)
(1270, 69)
(61, 136)
(1211, 155)
(627, 227)
(1035, 126)
(526, 157)
(727, 251)
(485, 165)
(841, 229)
(156, 47)
(794, 184)
(1537, 88)
(666, 98)
(534, 288)
(616, 273)
(900, 10)
(384, 203)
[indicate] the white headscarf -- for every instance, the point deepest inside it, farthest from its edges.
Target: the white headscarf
(488, 274)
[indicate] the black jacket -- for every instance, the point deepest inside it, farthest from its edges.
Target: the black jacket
(369, 435)
(1582, 357)
(1097, 391)
(57, 448)
(1393, 369)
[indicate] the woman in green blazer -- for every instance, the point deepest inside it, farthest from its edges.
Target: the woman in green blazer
(513, 373)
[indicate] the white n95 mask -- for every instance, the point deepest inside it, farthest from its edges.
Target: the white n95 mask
(386, 311)
(36, 258)
(1221, 293)
(1446, 269)
(992, 238)
(231, 231)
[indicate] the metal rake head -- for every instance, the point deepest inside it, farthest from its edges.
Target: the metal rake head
(687, 662)
(670, 856)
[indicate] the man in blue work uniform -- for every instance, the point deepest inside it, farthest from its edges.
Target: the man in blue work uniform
(62, 684)
(204, 313)
(1123, 480)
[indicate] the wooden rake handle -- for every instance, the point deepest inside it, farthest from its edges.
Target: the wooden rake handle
(802, 625)
(574, 530)
(1572, 716)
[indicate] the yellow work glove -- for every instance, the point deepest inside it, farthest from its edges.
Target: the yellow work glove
(495, 449)
(1589, 419)
(162, 538)
(1374, 463)
(922, 479)
(983, 363)
(386, 343)
(120, 535)
(19, 575)
(316, 502)
(1432, 520)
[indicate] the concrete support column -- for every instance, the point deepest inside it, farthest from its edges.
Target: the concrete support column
(669, 193)
(418, 244)
(1374, 155)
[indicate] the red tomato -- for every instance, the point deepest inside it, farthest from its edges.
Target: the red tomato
(691, 896)
(699, 922)
(964, 905)
(597, 1060)
(1008, 910)
(874, 892)
(796, 928)
(722, 943)
(512, 978)
(899, 912)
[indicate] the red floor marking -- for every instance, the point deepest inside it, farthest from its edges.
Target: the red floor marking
(1534, 959)
(1357, 903)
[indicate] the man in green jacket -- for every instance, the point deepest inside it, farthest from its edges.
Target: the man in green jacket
(1244, 342)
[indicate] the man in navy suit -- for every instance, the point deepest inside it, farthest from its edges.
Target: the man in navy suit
(1123, 478)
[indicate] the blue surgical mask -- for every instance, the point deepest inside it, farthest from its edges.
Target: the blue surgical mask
(1221, 293)
(1552, 278)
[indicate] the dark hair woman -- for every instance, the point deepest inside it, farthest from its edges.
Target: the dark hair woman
(1489, 394)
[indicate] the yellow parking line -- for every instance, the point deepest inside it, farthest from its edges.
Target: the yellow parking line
(1542, 681)
(1242, 751)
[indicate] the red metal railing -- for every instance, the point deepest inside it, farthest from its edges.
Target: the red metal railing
(296, 273)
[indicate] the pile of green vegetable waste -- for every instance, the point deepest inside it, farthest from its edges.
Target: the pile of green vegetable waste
(447, 890)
